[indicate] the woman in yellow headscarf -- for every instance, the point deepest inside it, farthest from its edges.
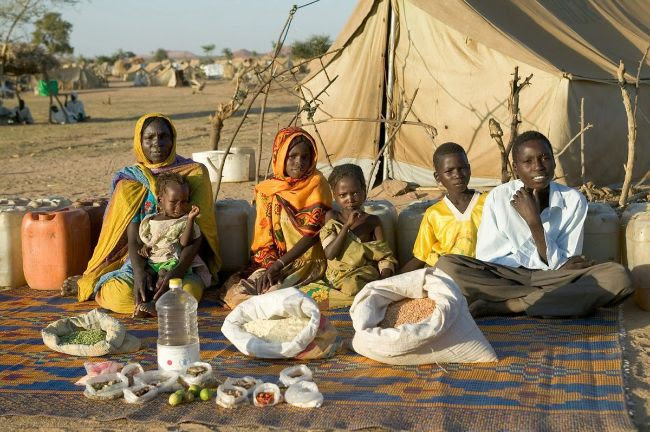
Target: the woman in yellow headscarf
(291, 209)
(116, 273)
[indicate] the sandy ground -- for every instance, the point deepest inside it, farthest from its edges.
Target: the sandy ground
(77, 161)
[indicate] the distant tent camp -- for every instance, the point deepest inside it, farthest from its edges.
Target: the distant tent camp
(103, 69)
(171, 77)
(77, 78)
(213, 70)
(119, 68)
(460, 55)
(153, 67)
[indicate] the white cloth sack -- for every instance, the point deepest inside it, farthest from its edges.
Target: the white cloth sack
(450, 335)
(283, 303)
(117, 340)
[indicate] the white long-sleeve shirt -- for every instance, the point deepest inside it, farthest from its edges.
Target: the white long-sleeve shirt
(505, 238)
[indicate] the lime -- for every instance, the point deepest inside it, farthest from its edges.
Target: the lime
(206, 394)
(189, 396)
(175, 399)
(180, 392)
(195, 389)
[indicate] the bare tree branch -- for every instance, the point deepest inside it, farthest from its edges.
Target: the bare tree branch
(579, 134)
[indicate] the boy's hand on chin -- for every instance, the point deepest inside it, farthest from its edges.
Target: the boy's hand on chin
(527, 205)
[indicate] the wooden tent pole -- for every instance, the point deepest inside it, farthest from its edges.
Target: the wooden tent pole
(390, 81)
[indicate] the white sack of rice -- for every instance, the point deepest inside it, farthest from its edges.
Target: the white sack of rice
(276, 330)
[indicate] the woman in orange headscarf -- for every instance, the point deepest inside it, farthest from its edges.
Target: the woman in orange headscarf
(291, 209)
(116, 273)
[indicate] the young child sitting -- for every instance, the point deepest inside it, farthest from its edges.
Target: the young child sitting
(164, 235)
(449, 226)
(352, 239)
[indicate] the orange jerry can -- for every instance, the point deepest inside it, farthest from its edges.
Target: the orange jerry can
(56, 245)
(95, 210)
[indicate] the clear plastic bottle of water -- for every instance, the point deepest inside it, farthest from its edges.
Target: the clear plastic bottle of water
(178, 336)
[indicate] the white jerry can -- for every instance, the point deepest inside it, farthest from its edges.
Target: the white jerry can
(233, 227)
(408, 225)
(637, 239)
(388, 217)
(601, 234)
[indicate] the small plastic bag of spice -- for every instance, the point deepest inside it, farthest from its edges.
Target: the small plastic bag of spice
(230, 396)
(140, 393)
(197, 373)
(131, 370)
(267, 394)
(304, 394)
(165, 381)
(294, 374)
(106, 386)
(247, 382)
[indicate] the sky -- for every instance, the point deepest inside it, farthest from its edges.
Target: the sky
(142, 26)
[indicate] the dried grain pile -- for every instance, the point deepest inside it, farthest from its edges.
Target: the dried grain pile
(408, 311)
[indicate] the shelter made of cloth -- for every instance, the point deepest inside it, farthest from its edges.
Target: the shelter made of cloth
(460, 55)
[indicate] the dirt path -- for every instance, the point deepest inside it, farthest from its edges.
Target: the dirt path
(78, 161)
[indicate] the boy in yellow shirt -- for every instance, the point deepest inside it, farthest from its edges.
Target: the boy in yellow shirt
(449, 226)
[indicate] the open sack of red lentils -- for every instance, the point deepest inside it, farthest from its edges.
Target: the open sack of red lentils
(281, 324)
(416, 318)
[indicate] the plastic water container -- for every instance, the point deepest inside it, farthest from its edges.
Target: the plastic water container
(630, 211)
(178, 334)
(235, 238)
(12, 211)
(388, 216)
(95, 210)
(408, 225)
(239, 166)
(11, 250)
(637, 239)
(55, 245)
(601, 234)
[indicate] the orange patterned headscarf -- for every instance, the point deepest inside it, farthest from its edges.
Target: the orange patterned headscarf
(305, 200)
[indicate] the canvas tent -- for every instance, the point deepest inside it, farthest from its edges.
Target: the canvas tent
(77, 78)
(170, 77)
(461, 54)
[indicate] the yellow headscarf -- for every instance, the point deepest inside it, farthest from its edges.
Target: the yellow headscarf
(137, 142)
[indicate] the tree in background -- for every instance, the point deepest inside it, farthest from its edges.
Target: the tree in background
(120, 54)
(15, 15)
(207, 49)
(227, 53)
(52, 32)
(313, 46)
(160, 55)
(255, 53)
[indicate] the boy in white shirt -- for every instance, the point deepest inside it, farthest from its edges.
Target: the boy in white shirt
(529, 244)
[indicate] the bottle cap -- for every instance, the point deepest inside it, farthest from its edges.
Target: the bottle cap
(175, 283)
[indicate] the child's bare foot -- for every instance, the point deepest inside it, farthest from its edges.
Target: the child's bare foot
(70, 287)
(145, 310)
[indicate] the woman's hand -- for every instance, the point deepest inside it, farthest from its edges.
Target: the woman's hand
(142, 283)
(269, 278)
